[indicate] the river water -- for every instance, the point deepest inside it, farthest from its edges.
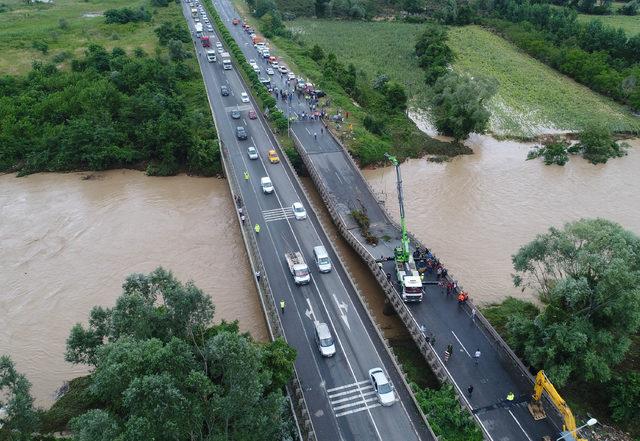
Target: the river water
(67, 245)
(476, 211)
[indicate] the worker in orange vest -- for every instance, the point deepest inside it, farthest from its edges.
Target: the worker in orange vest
(462, 297)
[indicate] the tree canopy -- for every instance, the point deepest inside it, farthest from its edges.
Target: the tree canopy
(588, 276)
(458, 103)
(163, 371)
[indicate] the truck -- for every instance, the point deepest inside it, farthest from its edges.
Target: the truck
(206, 42)
(194, 12)
(410, 280)
(198, 29)
(298, 268)
(226, 60)
(406, 270)
(211, 55)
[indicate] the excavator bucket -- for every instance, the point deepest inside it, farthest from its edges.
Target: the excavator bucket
(537, 411)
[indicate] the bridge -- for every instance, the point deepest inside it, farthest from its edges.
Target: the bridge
(332, 397)
(321, 384)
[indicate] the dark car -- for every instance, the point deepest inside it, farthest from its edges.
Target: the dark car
(235, 114)
(319, 93)
(241, 133)
(224, 91)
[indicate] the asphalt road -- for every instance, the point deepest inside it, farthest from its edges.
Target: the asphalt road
(492, 378)
(340, 399)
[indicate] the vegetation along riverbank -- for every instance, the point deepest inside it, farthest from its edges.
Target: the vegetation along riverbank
(103, 86)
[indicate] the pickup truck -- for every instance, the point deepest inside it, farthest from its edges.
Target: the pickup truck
(298, 268)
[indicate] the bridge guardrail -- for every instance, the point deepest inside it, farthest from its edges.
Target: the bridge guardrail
(519, 372)
(267, 300)
(299, 408)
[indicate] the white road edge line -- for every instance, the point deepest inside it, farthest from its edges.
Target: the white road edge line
(520, 426)
(465, 349)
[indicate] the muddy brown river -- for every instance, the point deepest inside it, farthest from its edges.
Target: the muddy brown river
(477, 210)
(68, 243)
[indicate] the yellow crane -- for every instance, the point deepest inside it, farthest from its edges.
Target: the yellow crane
(569, 430)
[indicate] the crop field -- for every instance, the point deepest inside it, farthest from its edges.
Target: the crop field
(70, 26)
(532, 98)
(630, 24)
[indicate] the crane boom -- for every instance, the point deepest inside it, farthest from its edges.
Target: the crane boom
(402, 254)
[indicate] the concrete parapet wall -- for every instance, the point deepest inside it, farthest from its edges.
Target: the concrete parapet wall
(519, 371)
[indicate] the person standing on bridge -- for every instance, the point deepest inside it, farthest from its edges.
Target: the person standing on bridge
(257, 228)
(511, 396)
(246, 175)
(315, 136)
(476, 356)
(470, 389)
(282, 305)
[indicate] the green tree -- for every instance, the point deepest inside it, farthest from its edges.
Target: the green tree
(177, 51)
(396, 96)
(587, 276)
(597, 145)
(156, 305)
(434, 55)
(20, 418)
(95, 425)
(316, 53)
(625, 396)
(458, 103)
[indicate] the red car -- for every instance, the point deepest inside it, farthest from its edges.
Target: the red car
(252, 114)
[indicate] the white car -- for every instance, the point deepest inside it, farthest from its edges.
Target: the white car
(266, 184)
(252, 62)
(209, 28)
(291, 76)
(252, 152)
(283, 69)
(270, 71)
(244, 97)
(298, 211)
(382, 386)
(206, 20)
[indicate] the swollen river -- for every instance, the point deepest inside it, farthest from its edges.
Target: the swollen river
(477, 210)
(68, 243)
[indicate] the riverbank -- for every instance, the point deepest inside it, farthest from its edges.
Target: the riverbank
(68, 243)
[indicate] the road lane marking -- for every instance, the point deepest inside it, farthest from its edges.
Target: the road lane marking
(346, 386)
(349, 412)
(518, 423)
(352, 398)
(342, 307)
(465, 349)
(277, 214)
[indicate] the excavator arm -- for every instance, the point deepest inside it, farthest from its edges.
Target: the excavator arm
(535, 406)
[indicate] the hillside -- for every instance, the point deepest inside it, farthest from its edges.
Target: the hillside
(532, 98)
(69, 26)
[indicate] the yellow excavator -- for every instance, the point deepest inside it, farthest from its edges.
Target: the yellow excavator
(569, 430)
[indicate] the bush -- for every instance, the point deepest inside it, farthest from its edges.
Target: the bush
(447, 419)
(62, 56)
(554, 151)
(126, 15)
(76, 401)
(40, 46)
(597, 145)
(63, 24)
(363, 222)
(172, 31)
(625, 396)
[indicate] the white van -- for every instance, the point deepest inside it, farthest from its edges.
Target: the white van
(324, 340)
(322, 259)
(267, 186)
(211, 55)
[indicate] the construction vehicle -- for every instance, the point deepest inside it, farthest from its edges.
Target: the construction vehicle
(406, 270)
(569, 430)
(298, 268)
(206, 42)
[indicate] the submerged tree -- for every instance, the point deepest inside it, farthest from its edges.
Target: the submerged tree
(588, 278)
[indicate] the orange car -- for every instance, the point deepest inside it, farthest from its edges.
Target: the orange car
(273, 157)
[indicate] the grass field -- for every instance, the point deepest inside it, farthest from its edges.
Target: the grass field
(25, 23)
(532, 98)
(630, 24)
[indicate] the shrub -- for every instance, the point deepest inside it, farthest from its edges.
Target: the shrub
(597, 145)
(126, 15)
(625, 396)
(40, 46)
